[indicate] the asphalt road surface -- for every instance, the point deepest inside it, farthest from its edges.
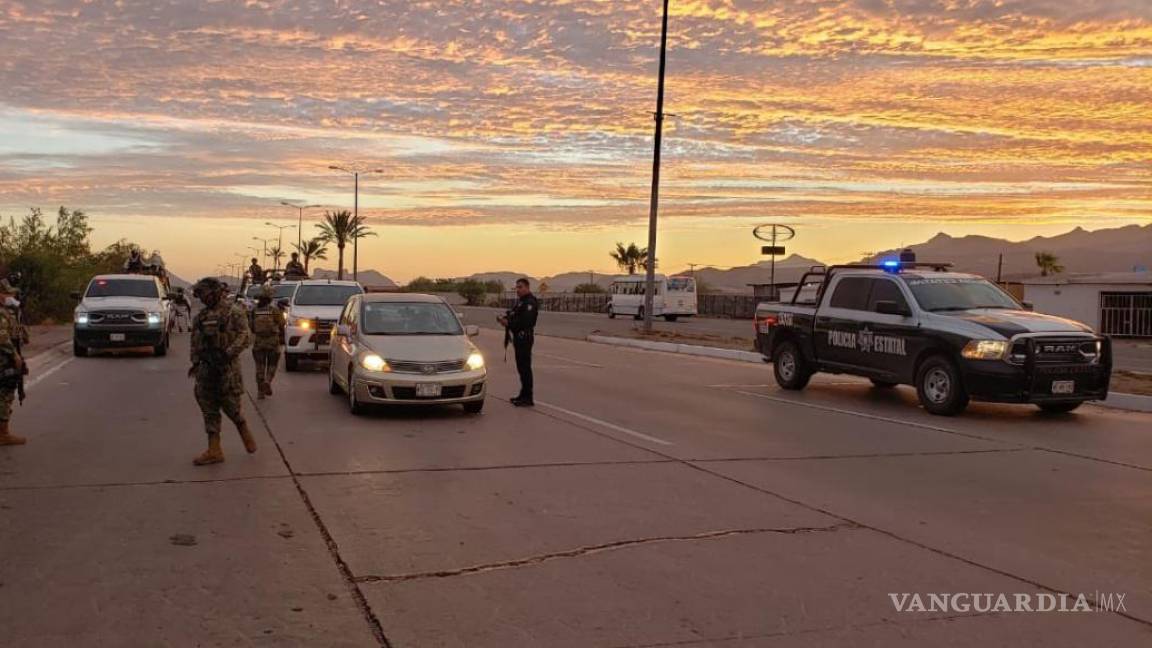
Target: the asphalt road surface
(581, 325)
(649, 500)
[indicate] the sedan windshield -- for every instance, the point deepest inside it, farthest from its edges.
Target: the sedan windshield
(959, 294)
(409, 318)
(123, 288)
(324, 295)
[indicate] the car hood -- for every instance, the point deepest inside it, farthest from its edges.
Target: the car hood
(1016, 322)
(420, 348)
(316, 312)
(120, 303)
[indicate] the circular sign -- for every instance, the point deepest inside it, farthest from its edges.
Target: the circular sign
(774, 233)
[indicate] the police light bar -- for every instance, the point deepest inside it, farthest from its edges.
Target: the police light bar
(891, 265)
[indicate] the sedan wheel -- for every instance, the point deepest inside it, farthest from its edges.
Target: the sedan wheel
(354, 404)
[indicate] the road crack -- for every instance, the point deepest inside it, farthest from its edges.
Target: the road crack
(595, 549)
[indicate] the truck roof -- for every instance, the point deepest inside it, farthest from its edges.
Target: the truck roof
(907, 274)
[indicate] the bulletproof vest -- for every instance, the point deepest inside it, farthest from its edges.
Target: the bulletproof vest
(264, 322)
(214, 330)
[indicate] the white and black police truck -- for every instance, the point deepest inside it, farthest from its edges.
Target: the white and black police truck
(953, 336)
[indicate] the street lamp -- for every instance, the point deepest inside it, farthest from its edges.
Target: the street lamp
(355, 209)
(265, 243)
(279, 243)
(300, 223)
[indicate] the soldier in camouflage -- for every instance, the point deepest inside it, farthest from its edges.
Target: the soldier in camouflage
(219, 335)
(11, 366)
(268, 324)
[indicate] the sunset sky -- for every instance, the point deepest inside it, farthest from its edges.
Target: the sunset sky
(517, 134)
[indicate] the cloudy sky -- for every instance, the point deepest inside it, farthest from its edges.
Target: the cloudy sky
(516, 134)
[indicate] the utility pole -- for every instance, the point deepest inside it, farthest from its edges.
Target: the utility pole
(650, 282)
(355, 171)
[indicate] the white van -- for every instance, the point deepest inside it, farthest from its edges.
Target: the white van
(675, 297)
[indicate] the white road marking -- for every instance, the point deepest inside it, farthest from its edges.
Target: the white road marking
(41, 375)
(606, 424)
(837, 410)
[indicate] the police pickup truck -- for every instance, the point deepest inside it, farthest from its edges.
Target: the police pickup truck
(953, 336)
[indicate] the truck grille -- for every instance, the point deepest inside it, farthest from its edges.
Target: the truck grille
(1055, 350)
(117, 318)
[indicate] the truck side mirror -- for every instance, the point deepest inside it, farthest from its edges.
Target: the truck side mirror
(343, 330)
(892, 308)
(1028, 306)
(472, 330)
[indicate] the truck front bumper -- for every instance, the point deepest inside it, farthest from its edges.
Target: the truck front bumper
(1001, 382)
(113, 337)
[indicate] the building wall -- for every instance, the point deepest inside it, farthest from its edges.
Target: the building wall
(1080, 302)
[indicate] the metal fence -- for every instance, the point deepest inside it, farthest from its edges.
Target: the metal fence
(729, 306)
(1126, 314)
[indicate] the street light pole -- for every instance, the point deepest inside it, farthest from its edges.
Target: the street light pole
(279, 244)
(650, 281)
(355, 211)
(300, 221)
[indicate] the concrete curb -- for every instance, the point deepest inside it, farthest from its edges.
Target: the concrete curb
(1127, 402)
(683, 349)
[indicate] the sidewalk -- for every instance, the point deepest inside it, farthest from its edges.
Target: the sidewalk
(46, 337)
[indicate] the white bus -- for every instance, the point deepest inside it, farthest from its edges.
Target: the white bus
(675, 297)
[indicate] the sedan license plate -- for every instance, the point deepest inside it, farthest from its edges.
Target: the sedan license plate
(116, 337)
(428, 390)
(1063, 386)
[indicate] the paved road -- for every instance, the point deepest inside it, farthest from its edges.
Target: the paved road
(649, 500)
(581, 325)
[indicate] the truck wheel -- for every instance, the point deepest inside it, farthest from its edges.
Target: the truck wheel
(161, 350)
(790, 367)
(1059, 408)
(883, 384)
(79, 350)
(940, 388)
(291, 363)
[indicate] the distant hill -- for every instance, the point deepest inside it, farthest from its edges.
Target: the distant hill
(366, 277)
(1080, 252)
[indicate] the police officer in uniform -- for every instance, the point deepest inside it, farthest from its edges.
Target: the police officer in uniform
(268, 324)
(219, 335)
(11, 366)
(520, 329)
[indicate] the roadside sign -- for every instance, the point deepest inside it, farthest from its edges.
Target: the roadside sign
(772, 250)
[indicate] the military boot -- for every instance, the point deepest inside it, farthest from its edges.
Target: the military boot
(9, 439)
(246, 437)
(213, 455)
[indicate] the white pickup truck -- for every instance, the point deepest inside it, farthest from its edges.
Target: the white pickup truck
(121, 311)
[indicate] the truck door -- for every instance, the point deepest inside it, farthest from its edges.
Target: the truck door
(838, 322)
(891, 341)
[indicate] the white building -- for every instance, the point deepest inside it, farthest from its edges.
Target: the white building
(1118, 303)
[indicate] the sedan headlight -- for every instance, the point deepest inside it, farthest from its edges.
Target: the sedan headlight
(475, 361)
(985, 349)
(373, 362)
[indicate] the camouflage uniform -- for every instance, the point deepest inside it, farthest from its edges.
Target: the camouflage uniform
(268, 324)
(9, 337)
(219, 335)
(11, 364)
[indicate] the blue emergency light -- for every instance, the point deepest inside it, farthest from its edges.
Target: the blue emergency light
(891, 265)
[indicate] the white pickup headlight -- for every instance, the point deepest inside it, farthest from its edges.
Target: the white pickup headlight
(153, 318)
(985, 349)
(81, 317)
(475, 361)
(373, 362)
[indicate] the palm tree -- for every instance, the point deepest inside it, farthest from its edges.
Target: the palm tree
(629, 258)
(1048, 263)
(313, 248)
(342, 228)
(276, 254)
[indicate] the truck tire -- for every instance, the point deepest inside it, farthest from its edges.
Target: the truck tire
(79, 350)
(940, 387)
(161, 350)
(790, 368)
(1059, 408)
